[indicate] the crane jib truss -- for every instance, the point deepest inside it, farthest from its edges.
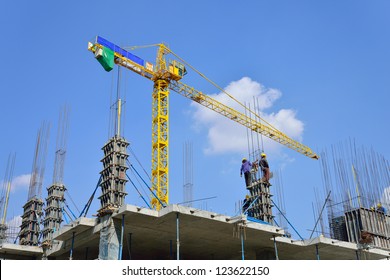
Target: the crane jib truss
(165, 79)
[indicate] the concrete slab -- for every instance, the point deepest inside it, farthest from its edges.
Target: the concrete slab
(328, 249)
(86, 240)
(78, 226)
(20, 252)
(201, 235)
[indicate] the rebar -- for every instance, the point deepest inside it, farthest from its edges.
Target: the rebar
(188, 177)
(359, 180)
(38, 168)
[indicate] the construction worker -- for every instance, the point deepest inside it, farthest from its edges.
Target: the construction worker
(246, 167)
(245, 203)
(264, 167)
(380, 208)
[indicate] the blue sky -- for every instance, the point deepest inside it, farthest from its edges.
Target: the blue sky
(324, 64)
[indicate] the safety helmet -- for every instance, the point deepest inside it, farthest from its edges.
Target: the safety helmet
(263, 155)
(244, 159)
(379, 205)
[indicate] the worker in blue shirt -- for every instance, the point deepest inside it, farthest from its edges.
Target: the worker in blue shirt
(380, 208)
(246, 169)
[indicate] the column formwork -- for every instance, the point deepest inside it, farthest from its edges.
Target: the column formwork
(113, 175)
(31, 219)
(53, 213)
(260, 201)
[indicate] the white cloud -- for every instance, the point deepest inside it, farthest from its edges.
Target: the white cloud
(226, 136)
(20, 182)
(285, 120)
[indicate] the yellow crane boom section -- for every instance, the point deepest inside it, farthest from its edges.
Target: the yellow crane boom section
(241, 118)
(213, 104)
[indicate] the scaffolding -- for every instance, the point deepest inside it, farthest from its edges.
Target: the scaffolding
(188, 174)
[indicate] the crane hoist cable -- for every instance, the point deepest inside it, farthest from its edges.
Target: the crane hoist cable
(131, 181)
(137, 178)
(71, 199)
(162, 204)
(88, 204)
(141, 47)
(136, 158)
(64, 214)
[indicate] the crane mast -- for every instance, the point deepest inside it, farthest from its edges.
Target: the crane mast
(167, 76)
(160, 131)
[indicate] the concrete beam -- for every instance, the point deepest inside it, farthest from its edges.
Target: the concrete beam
(78, 226)
(20, 252)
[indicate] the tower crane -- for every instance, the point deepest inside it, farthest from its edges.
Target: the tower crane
(166, 76)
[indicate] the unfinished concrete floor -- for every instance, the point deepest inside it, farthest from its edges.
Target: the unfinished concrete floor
(202, 235)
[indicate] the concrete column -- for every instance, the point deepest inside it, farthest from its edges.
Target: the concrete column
(121, 240)
(109, 238)
(276, 249)
(3, 234)
(177, 238)
(71, 247)
(242, 244)
(317, 253)
(266, 254)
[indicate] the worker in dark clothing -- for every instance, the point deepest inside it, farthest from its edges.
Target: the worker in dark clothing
(246, 169)
(264, 167)
(245, 203)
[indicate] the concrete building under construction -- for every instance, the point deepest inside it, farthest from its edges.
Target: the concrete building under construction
(123, 231)
(351, 228)
(180, 232)
(130, 232)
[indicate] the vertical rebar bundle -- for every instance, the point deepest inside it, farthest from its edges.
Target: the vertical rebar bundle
(359, 180)
(260, 194)
(56, 192)
(188, 178)
(61, 143)
(4, 198)
(113, 176)
(39, 162)
(278, 185)
(32, 210)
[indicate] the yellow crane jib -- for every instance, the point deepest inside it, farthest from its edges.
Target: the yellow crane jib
(167, 76)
